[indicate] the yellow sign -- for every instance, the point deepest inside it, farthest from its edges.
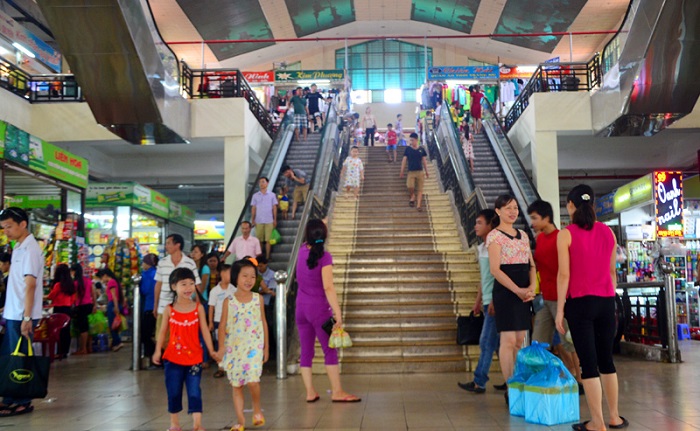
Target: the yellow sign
(208, 230)
(637, 192)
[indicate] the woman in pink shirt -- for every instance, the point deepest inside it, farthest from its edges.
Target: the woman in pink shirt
(63, 298)
(87, 298)
(586, 298)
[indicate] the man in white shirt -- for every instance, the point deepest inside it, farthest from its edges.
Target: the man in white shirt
(24, 294)
(244, 245)
(175, 259)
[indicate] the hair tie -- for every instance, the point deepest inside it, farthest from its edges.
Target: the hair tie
(318, 241)
(586, 197)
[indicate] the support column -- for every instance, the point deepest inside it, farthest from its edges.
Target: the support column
(545, 169)
(236, 169)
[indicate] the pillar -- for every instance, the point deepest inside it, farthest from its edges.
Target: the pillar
(545, 169)
(236, 169)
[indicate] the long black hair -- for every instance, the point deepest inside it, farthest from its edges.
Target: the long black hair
(108, 272)
(78, 280)
(583, 198)
(501, 201)
(64, 280)
(316, 234)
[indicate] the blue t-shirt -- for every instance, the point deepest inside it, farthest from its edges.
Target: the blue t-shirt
(205, 273)
(147, 286)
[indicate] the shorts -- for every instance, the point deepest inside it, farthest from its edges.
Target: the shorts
(416, 177)
(300, 192)
(263, 231)
(391, 147)
(544, 329)
(284, 206)
(402, 142)
(300, 121)
(317, 114)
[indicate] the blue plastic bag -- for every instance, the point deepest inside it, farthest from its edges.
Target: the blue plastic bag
(516, 403)
(550, 397)
(530, 361)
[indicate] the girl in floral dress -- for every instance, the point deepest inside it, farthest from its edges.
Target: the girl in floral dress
(246, 346)
(354, 171)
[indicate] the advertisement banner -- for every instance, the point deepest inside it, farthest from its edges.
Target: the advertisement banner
(605, 205)
(103, 195)
(34, 201)
(15, 32)
(265, 77)
(668, 199)
(637, 192)
(53, 161)
(3, 131)
(507, 72)
(296, 75)
(181, 214)
(151, 201)
(17, 145)
(464, 72)
(206, 230)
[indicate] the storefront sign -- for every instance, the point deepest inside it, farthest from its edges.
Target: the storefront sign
(507, 72)
(259, 77)
(464, 72)
(103, 195)
(15, 32)
(604, 205)
(206, 230)
(668, 197)
(296, 75)
(40, 156)
(637, 192)
(34, 201)
(181, 214)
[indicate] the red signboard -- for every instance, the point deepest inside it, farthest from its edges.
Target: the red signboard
(668, 197)
(259, 77)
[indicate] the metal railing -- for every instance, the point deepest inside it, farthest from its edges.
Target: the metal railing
(643, 313)
(39, 88)
(556, 77)
(218, 83)
(613, 49)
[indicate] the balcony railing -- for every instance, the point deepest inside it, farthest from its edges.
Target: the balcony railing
(556, 77)
(39, 88)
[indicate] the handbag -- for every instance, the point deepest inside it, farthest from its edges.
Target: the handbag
(469, 329)
(328, 325)
(24, 376)
(117, 322)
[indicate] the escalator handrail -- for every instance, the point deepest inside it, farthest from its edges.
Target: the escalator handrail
(605, 52)
(278, 150)
(457, 157)
(525, 192)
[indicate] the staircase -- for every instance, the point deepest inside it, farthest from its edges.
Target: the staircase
(301, 155)
(401, 275)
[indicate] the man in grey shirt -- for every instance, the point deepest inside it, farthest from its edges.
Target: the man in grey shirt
(300, 181)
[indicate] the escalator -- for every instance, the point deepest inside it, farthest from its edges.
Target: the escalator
(497, 169)
(649, 69)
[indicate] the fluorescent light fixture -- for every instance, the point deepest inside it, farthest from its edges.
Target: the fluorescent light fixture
(26, 52)
(313, 81)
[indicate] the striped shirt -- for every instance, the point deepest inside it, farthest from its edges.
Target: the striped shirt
(165, 268)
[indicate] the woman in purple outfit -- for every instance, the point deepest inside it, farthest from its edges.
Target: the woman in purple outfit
(316, 303)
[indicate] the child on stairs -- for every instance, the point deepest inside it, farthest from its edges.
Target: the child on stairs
(354, 172)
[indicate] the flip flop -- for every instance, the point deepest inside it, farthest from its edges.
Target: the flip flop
(581, 427)
(13, 410)
(313, 400)
(348, 399)
(625, 423)
(411, 203)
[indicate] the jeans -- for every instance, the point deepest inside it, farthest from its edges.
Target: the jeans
(13, 332)
(116, 339)
(175, 376)
(488, 343)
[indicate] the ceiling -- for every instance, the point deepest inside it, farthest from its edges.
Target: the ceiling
(188, 20)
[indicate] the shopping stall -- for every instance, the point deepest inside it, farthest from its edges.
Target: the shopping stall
(181, 221)
(49, 183)
(210, 234)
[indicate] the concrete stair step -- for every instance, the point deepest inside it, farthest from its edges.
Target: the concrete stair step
(361, 350)
(404, 365)
(375, 299)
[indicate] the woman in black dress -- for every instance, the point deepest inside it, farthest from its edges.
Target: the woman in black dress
(512, 266)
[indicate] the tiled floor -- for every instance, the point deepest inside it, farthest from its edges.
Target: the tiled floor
(99, 393)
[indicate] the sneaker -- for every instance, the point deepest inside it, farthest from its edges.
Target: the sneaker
(471, 387)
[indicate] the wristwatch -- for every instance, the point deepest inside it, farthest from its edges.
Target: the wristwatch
(26, 319)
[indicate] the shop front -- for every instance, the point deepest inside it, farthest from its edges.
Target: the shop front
(49, 183)
(181, 221)
(210, 234)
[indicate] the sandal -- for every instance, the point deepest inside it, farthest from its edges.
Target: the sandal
(237, 427)
(14, 410)
(219, 373)
(580, 427)
(625, 423)
(258, 420)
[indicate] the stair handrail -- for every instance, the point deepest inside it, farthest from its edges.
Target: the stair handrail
(270, 168)
(521, 184)
(195, 83)
(36, 88)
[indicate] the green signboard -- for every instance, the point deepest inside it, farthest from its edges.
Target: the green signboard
(296, 75)
(20, 147)
(29, 202)
(102, 195)
(181, 214)
(638, 192)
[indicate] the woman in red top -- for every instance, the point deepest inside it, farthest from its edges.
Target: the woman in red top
(586, 297)
(62, 298)
(184, 354)
(85, 301)
(475, 108)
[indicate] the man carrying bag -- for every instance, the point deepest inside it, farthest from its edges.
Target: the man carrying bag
(24, 297)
